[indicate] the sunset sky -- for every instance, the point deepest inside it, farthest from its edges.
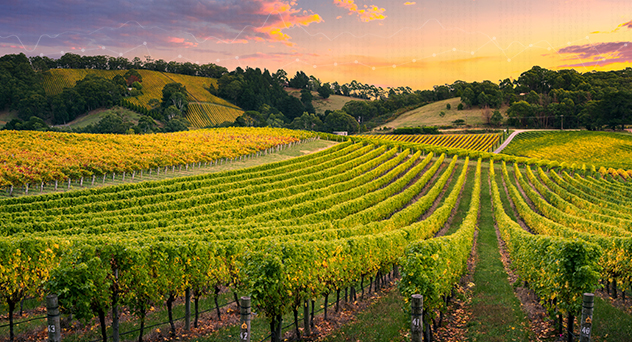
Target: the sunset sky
(387, 43)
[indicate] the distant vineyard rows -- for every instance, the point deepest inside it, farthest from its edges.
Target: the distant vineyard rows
(209, 114)
(475, 142)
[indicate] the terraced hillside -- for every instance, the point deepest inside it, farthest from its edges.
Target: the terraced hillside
(208, 109)
(474, 142)
(607, 149)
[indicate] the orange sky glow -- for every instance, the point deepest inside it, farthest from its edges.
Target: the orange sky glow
(387, 43)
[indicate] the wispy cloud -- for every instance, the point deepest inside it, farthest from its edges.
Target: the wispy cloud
(289, 17)
(598, 54)
(113, 22)
(624, 25)
(409, 3)
(368, 13)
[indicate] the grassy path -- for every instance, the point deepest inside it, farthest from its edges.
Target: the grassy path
(496, 312)
(386, 320)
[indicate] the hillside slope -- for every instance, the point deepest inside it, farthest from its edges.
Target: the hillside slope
(429, 115)
(208, 108)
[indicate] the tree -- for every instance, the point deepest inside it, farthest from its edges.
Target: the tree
(113, 122)
(146, 124)
(132, 76)
(33, 105)
(496, 119)
(167, 93)
(98, 92)
(340, 121)
(468, 97)
(537, 79)
(533, 98)
(308, 122)
(251, 118)
(291, 107)
(486, 115)
(458, 122)
(179, 100)
(280, 77)
(299, 81)
(325, 91)
(520, 113)
(306, 96)
(615, 109)
(171, 112)
(175, 125)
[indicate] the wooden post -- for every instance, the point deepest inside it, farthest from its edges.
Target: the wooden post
(187, 309)
(587, 316)
(306, 318)
(52, 310)
(416, 316)
(244, 335)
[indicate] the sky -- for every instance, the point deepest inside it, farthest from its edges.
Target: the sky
(418, 43)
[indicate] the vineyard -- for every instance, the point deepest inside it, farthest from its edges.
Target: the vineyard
(475, 142)
(299, 230)
(611, 150)
(208, 114)
(36, 158)
(153, 81)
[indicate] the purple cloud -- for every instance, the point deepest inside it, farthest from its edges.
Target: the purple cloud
(171, 23)
(598, 54)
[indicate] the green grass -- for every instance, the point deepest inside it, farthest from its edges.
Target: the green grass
(93, 117)
(428, 115)
(294, 151)
(606, 149)
(387, 319)
(610, 323)
(497, 315)
(334, 102)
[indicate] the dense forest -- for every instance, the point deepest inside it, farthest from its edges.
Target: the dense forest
(539, 98)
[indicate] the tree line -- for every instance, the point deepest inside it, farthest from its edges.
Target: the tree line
(539, 98)
(542, 98)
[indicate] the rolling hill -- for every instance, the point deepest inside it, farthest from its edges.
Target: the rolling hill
(428, 115)
(207, 108)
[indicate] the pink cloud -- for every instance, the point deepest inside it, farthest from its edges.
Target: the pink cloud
(182, 42)
(175, 40)
(369, 13)
(288, 17)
